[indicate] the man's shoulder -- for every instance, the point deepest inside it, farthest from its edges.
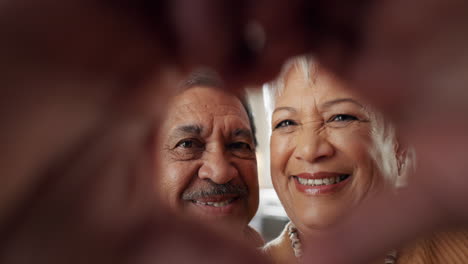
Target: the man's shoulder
(254, 237)
(278, 248)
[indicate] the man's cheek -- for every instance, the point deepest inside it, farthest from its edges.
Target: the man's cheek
(248, 171)
(177, 179)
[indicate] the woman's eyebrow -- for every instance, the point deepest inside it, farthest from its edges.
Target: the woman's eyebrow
(285, 108)
(330, 103)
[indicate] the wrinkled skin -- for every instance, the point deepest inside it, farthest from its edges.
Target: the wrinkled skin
(79, 80)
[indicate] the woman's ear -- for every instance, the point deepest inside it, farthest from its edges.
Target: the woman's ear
(401, 155)
(399, 162)
(401, 152)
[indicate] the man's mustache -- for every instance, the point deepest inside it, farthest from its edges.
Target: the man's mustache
(216, 189)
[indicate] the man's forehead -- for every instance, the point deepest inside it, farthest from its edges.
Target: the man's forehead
(214, 109)
(206, 107)
(207, 116)
(207, 99)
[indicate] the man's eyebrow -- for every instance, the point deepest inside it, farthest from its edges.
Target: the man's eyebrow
(189, 129)
(242, 132)
(330, 103)
(285, 108)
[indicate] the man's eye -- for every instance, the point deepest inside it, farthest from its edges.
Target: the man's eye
(187, 143)
(187, 149)
(342, 118)
(285, 123)
(240, 146)
(242, 150)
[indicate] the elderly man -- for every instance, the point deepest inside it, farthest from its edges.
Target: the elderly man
(208, 168)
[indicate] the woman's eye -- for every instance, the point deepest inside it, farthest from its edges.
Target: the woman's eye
(285, 123)
(342, 118)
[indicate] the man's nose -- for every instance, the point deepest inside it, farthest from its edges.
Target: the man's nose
(218, 168)
(313, 145)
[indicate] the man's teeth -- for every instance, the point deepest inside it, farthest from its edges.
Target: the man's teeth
(215, 204)
(323, 181)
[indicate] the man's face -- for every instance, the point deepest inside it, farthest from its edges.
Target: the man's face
(208, 166)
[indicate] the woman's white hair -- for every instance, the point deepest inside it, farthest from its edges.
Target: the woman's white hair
(391, 159)
(305, 65)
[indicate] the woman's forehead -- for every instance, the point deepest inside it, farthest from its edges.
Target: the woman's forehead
(319, 85)
(298, 85)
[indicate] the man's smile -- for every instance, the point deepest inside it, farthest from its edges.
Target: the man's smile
(216, 200)
(216, 204)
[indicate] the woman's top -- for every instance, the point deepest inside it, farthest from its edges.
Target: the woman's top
(442, 247)
(439, 248)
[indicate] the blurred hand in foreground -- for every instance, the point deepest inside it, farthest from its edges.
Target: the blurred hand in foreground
(84, 86)
(80, 82)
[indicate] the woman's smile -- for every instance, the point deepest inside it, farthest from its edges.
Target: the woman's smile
(320, 183)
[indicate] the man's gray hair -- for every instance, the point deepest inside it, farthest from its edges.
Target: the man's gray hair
(384, 150)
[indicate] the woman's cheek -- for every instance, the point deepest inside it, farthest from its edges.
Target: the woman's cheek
(353, 141)
(356, 146)
(280, 151)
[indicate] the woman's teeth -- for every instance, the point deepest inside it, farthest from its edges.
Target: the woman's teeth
(323, 181)
(215, 204)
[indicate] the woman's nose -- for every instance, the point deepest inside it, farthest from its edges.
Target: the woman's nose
(218, 168)
(313, 146)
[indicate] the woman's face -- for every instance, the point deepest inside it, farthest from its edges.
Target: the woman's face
(320, 151)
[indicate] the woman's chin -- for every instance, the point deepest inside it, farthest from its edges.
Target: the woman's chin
(317, 220)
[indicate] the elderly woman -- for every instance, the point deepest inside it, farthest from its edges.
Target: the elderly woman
(329, 152)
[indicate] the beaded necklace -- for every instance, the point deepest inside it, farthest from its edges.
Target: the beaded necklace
(296, 245)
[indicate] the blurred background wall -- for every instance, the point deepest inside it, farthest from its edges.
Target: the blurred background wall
(271, 217)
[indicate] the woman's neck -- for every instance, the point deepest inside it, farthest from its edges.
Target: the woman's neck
(311, 237)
